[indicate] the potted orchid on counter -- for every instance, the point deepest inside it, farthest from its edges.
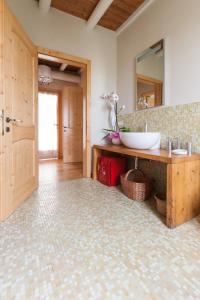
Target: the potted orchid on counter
(112, 135)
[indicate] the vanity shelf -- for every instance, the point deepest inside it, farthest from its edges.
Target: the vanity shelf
(183, 179)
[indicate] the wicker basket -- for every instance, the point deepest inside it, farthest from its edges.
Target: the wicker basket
(135, 185)
(161, 204)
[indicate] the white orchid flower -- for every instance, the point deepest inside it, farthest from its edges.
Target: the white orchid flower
(105, 96)
(114, 96)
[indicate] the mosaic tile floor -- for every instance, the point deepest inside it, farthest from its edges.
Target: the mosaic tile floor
(81, 240)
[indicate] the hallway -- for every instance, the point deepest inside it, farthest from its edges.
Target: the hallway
(55, 170)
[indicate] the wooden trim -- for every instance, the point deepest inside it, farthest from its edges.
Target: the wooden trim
(88, 121)
(59, 60)
(96, 154)
(183, 192)
(60, 138)
(143, 78)
(157, 155)
(47, 90)
(36, 121)
(2, 105)
(61, 57)
(85, 64)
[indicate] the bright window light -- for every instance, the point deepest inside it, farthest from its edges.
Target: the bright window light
(48, 133)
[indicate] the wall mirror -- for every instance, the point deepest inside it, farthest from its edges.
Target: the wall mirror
(150, 77)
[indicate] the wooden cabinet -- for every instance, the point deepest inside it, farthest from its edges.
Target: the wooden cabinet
(183, 179)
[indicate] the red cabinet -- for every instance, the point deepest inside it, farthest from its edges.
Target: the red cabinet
(110, 169)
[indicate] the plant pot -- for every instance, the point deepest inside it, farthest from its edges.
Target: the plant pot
(116, 141)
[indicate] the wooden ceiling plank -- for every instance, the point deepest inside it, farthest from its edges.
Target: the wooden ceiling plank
(117, 15)
(134, 16)
(98, 12)
(124, 6)
(79, 8)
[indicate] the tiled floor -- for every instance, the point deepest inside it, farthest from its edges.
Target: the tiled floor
(81, 240)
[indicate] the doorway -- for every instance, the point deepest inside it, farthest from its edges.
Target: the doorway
(48, 125)
(60, 120)
(85, 66)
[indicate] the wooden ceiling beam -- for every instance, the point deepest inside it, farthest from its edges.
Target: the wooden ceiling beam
(66, 77)
(44, 6)
(98, 12)
(63, 67)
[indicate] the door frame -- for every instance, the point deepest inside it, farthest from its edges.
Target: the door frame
(85, 64)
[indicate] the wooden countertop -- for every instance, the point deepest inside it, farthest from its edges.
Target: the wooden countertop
(158, 155)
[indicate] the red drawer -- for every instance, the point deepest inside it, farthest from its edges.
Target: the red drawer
(110, 169)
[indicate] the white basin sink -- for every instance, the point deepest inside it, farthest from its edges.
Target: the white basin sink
(141, 140)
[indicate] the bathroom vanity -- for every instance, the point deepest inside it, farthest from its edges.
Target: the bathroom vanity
(183, 179)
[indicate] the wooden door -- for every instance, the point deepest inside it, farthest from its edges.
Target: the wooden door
(19, 175)
(72, 120)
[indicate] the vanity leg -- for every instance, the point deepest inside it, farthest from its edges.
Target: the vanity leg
(183, 192)
(96, 154)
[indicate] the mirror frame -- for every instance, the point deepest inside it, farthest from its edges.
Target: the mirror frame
(163, 88)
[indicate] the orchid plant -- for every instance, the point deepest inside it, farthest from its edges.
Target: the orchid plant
(112, 135)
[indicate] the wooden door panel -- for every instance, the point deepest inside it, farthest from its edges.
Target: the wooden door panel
(2, 148)
(19, 75)
(22, 175)
(23, 178)
(23, 83)
(72, 105)
(73, 146)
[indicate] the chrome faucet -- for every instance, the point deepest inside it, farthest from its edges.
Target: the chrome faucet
(146, 127)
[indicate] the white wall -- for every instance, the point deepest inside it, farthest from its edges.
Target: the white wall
(178, 22)
(62, 32)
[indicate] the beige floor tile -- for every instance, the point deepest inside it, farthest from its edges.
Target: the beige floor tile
(81, 240)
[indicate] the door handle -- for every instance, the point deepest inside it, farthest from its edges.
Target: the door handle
(9, 120)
